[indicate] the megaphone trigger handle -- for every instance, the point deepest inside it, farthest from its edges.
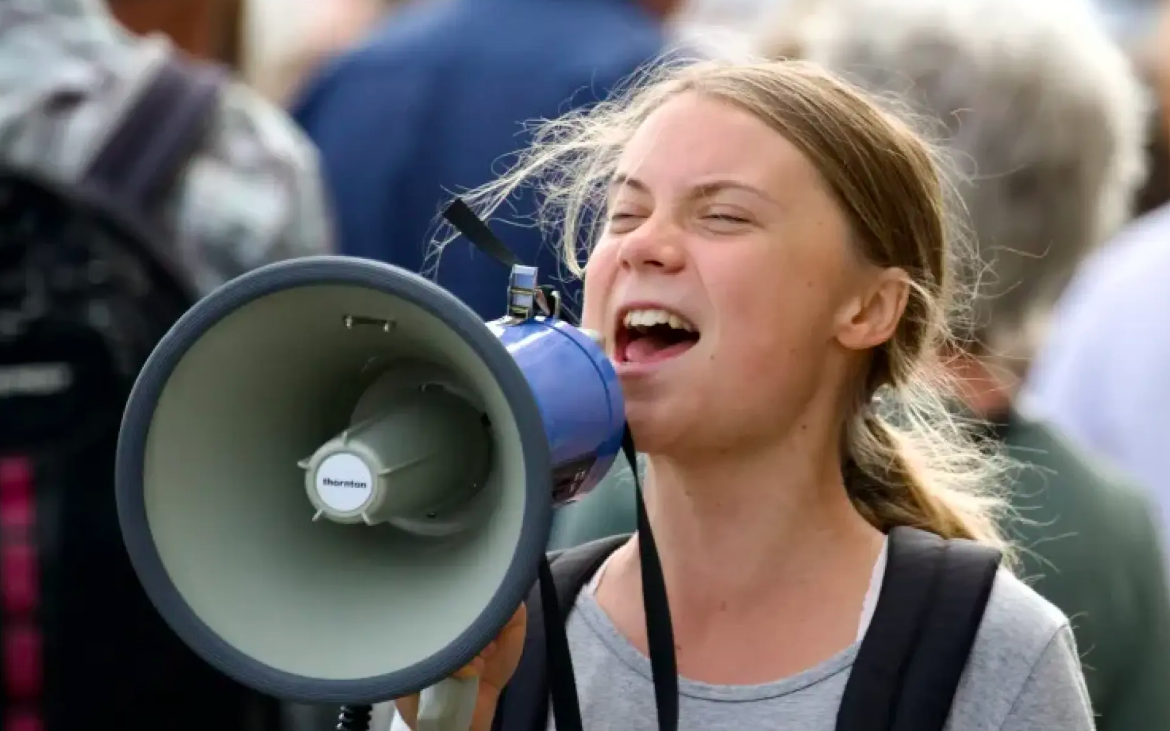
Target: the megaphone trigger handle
(448, 705)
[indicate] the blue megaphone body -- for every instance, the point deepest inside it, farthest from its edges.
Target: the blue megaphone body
(575, 386)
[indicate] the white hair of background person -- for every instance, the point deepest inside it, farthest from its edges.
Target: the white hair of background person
(720, 28)
(1036, 92)
(739, 16)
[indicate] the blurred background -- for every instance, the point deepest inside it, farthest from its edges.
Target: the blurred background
(377, 109)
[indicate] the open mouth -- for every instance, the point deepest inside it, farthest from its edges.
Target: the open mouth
(651, 336)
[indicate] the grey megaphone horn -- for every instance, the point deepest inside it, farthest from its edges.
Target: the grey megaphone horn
(335, 481)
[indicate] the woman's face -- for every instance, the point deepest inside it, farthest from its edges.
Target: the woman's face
(725, 282)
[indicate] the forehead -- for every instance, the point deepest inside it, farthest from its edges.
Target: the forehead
(692, 137)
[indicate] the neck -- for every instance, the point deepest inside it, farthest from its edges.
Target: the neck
(775, 517)
(756, 541)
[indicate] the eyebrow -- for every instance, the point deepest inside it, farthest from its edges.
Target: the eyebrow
(702, 190)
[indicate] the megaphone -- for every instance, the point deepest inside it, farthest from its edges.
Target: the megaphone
(335, 481)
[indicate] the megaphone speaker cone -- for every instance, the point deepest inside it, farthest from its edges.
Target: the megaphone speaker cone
(335, 481)
(427, 449)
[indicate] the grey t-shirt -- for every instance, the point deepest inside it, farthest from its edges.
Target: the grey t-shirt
(1023, 675)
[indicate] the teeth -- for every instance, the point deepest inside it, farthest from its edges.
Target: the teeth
(650, 318)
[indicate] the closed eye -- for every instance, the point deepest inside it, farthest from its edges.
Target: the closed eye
(727, 219)
(620, 222)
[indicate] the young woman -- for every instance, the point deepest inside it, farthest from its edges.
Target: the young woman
(792, 239)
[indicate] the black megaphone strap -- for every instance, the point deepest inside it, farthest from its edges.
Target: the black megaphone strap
(659, 629)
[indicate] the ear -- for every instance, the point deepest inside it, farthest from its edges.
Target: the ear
(870, 318)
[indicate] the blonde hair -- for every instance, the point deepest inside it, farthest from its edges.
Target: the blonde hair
(907, 461)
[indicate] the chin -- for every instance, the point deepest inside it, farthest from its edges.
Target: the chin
(656, 427)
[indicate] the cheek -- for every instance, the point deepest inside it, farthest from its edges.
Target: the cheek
(598, 281)
(779, 322)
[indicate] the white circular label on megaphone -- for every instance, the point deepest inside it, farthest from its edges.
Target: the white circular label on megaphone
(344, 482)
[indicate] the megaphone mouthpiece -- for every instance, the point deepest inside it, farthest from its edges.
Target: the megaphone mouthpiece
(429, 448)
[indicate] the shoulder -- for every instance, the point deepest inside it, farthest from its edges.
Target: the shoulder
(1119, 280)
(60, 78)
(1023, 671)
(1017, 625)
(403, 56)
(1052, 462)
(1076, 509)
(253, 194)
(1136, 256)
(250, 194)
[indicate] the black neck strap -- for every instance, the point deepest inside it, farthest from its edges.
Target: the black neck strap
(659, 631)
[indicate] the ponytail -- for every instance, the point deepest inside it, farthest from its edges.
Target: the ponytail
(929, 474)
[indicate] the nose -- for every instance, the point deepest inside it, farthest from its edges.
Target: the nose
(655, 245)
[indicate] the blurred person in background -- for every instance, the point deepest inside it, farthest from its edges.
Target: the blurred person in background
(722, 27)
(437, 96)
(1044, 122)
(250, 195)
(253, 196)
(1128, 22)
(311, 33)
(1102, 374)
(1156, 192)
(207, 29)
(740, 15)
(1132, 25)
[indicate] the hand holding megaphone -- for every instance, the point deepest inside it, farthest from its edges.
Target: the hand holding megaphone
(489, 672)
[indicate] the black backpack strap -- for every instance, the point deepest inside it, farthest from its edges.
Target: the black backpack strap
(960, 600)
(932, 601)
(524, 703)
(160, 131)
